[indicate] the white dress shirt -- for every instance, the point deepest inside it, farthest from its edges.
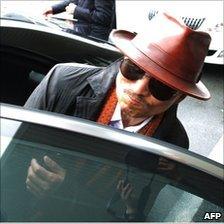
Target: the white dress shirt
(116, 121)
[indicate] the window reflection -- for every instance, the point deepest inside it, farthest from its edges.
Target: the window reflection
(105, 181)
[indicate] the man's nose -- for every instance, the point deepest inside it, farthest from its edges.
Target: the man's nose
(141, 86)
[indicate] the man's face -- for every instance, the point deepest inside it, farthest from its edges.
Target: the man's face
(136, 100)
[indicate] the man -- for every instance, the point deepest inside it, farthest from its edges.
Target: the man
(140, 93)
(94, 17)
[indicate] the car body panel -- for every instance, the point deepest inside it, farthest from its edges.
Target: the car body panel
(56, 44)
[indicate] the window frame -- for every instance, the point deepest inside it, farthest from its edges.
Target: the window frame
(93, 129)
(203, 184)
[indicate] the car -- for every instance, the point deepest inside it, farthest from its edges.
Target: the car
(215, 53)
(31, 47)
(96, 157)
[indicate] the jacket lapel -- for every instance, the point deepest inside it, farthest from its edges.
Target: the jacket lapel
(89, 107)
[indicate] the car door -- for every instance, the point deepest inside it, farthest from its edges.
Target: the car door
(29, 51)
(167, 183)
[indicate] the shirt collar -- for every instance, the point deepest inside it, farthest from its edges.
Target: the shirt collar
(117, 113)
(117, 118)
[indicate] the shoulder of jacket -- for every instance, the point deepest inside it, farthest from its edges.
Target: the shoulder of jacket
(172, 130)
(64, 70)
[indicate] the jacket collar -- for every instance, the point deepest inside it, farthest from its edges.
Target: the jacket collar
(99, 83)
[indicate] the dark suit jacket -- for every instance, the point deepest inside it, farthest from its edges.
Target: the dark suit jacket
(79, 90)
(95, 17)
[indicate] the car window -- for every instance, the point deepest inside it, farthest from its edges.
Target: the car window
(95, 169)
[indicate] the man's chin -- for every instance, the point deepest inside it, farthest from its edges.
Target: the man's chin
(132, 112)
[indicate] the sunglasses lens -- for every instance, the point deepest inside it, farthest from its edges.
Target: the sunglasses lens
(131, 71)
(160, 91)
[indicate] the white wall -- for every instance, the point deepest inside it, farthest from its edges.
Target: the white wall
(131, 15)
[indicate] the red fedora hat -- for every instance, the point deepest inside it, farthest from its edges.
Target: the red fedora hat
(170, 52)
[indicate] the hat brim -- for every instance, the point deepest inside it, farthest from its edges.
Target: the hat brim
(122, 40)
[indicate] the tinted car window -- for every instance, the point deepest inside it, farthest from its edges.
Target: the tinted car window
(95, 167)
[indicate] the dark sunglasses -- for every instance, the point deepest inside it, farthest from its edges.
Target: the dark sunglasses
(159, 90)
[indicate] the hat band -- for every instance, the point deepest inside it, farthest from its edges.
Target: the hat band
(167, 62)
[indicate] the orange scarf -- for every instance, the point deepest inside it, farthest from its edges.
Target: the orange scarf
(108, 110)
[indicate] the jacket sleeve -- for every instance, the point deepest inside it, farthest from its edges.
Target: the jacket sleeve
(43, 94)
(60, 7)
(46, 94)
(178, 135)
(101, 14)
(171, 129)
(63, 83)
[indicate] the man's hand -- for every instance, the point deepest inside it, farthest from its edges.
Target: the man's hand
(41, 181)
(125, 191)
(48, 11)
(70, 9)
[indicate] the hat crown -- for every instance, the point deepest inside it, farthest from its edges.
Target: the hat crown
(170, 52)
(174, 46)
